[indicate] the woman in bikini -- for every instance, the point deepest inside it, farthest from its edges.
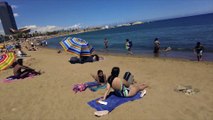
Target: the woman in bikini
(120, 86)
(100, 77)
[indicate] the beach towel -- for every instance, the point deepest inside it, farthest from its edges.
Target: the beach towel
(113, 101)
(15, 78)
(93, 86)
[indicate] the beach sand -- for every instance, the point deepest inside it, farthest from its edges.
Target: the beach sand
(50, 96)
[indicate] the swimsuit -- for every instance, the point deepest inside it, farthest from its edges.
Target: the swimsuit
(123, 92)
(199, 50)
(101, 79)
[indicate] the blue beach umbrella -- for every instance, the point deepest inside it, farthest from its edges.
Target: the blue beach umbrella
(77, 46)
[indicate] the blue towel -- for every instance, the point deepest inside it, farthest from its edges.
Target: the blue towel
(91, 84)
(94, 86)
(112, 102)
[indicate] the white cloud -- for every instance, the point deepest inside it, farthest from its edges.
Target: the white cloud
(14, 6)
(15, 14)
(76, 26)
(50, 28)
(31, 26)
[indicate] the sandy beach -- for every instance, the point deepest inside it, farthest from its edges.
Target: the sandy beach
(50, 96)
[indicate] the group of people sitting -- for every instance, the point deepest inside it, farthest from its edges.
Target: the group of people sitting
(31, 46)
(121, 87)
(15, 48)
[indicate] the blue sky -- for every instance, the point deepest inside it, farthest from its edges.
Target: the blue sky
(69, 13)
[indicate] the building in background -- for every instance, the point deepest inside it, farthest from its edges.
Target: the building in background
(7, 18)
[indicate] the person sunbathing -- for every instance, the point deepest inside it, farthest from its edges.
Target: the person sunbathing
(120, 86)
(85, 59)
(20, 53)
(100, 82)
(21, 71)
(100, 77)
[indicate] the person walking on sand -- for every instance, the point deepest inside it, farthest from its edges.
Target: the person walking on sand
(198, 49)
(156, 47)
(106, 44)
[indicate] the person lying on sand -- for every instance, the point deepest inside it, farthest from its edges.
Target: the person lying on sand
(85, 59)
(20, 53)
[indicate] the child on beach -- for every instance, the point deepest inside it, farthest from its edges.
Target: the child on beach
(198, 49)
(99, 83)
(100, 77)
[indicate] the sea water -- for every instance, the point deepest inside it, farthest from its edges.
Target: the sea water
(181, 34)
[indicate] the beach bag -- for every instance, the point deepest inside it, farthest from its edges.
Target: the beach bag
(79, 87)
(128, 77)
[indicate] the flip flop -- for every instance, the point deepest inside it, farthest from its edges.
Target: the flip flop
(101, 113)
(143, 93)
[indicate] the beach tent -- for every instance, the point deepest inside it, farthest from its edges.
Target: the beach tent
(77, 46)
(6, 60)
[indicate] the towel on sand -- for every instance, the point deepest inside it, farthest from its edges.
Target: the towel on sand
(14, 78)
(113, 101)
(93, 86)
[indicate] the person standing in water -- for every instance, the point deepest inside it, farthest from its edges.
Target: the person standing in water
(128, 46)
(156, 47)
(106, 44)
(198, 49)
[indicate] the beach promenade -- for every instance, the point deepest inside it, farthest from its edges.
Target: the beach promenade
(50, 96)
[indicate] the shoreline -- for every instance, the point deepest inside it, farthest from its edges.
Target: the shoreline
(139, 55)
(207, 56)
(148, 56)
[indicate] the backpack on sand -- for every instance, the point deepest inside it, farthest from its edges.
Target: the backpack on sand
(128, 77)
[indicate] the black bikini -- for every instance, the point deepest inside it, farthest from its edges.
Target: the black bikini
(101, 79)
